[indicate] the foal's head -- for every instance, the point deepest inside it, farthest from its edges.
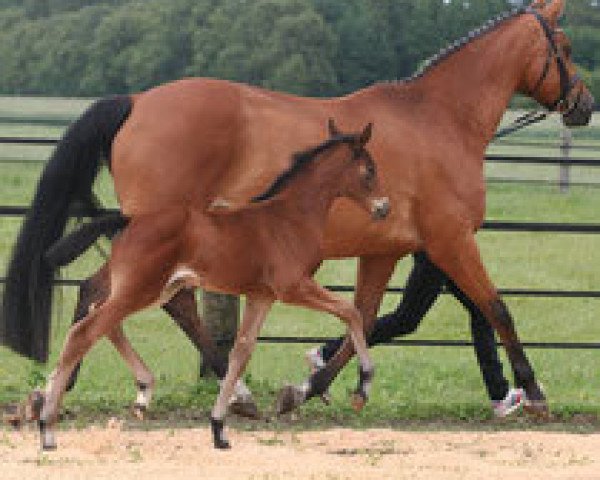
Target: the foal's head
(551, 77)
(339, 167)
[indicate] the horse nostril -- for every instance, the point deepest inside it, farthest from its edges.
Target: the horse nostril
(381, 208)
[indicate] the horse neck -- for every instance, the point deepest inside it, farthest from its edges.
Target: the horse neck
(474, 85)
(313, 192)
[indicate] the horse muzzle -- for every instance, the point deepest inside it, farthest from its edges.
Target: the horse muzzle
(580, 112)
(380, 207)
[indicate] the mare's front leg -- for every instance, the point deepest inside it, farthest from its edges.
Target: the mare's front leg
(374, 273)
(254, 316)
(461, 261)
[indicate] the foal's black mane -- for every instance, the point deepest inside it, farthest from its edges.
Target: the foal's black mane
(457, 45)
(300, 160)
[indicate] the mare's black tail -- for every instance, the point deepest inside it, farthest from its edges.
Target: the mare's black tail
(66, 179)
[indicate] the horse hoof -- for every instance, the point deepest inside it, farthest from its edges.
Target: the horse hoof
(139, 411)
(325, 398)
(537, 408)
(47, 439)
(222, 444)
(358, 401)
(288, 399)
(49, 447)
(245, 409)
(218, 430)
(34, 405)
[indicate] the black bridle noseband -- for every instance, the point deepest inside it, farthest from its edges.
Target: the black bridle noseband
(566, 83)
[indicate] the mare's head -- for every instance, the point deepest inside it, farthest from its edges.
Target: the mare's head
(339, 167)
(551, 77)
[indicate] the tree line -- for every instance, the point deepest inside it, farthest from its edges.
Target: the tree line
(309, 47)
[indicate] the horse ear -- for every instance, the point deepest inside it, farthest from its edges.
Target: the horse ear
(333, 130)
(538, 4)
(365, 136)
(555, 10)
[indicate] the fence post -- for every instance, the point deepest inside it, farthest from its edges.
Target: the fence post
(565, 168)
(221, 315)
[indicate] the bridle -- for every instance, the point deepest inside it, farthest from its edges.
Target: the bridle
(566, 83)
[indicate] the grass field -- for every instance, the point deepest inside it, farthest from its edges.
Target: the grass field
(411, 382)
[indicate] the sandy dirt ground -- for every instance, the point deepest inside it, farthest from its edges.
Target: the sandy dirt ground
(114, 453)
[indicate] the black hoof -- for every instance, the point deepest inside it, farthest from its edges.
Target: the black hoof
(219, 440)
(288, 399)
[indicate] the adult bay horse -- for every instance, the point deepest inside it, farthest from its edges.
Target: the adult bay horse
(267, 250)
(191, 141)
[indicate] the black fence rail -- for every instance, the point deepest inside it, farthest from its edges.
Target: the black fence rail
(564, 162)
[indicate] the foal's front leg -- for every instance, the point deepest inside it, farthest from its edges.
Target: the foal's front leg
(310, 294)
(254, 316)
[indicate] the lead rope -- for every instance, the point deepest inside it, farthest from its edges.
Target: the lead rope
(523, 121)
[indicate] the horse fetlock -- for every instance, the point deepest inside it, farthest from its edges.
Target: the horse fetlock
(535, 401)
(218, 431)
(47, 438)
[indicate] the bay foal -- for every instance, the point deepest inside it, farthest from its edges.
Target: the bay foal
(267, 250)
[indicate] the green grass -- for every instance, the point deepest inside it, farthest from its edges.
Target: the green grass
(412, 383)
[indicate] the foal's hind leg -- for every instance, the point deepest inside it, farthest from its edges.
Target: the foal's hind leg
(309, 294)
(92, 293)
(254, 316)
(462, 263)
(79, 340)
(374, 273)
(143, 376)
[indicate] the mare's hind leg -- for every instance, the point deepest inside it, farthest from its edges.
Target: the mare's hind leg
(461, 261)
(254, 316)
(374, 273)
(183, 309)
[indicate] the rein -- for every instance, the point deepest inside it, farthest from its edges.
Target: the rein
(566, 84)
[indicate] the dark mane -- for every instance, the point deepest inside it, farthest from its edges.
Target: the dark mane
(457, 45)
(300, 160)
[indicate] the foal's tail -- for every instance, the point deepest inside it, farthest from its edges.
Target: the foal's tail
(67, 179)
(68, 248)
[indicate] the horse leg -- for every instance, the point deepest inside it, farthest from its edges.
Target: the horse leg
(462, 263)
(183, 309)
(254, 316)
(143, 376)
(374, 273)
(80, 339)
(309, 294)
(92, 293)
